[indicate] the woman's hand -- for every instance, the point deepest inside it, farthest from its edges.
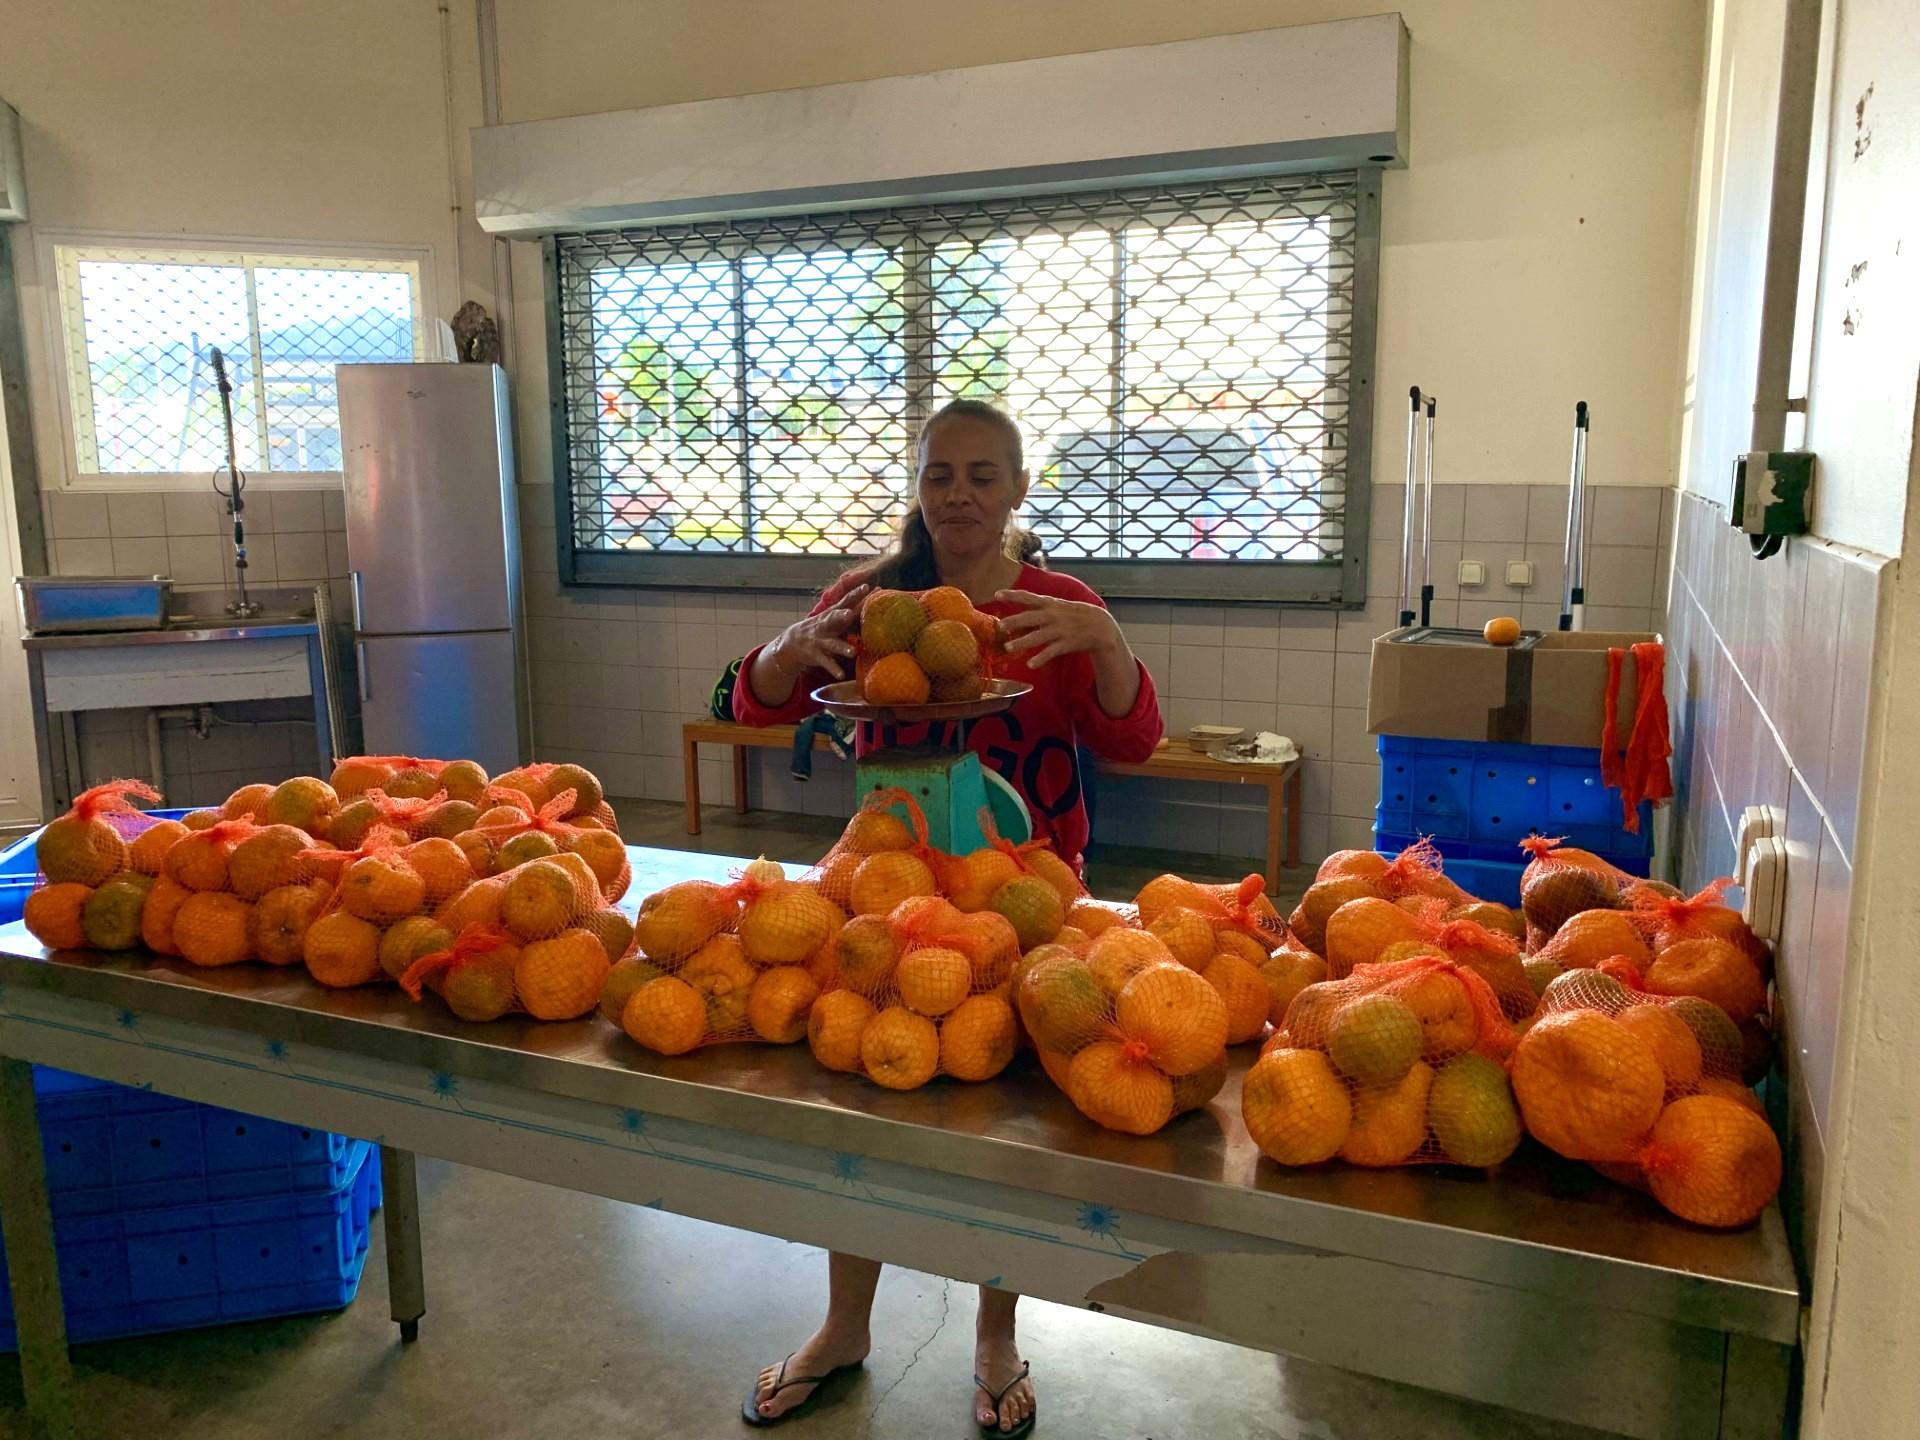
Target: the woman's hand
(817, 642)
(1051, 627)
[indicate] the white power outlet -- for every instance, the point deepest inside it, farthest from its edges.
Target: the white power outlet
(1763, 876)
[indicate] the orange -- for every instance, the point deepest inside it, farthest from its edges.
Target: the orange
(527, 845)
(970, 880)
(947, 649)
(1712, 970)
(442, 866)
(1323, 897)
(1295, 1108)
(833, 877)
(897, 680)
(779, 1003)
(353, 823)
(199, 861)
(278, 928)
(977, 1039)
(560, 978)
(1034, 908)
(1163, 892)
(666, 1015)
(864, 954)
(353, 777)
(1587, 938)
(1229, 940)
(1360, 929)
(268, 859)
(931, 981)
(872, 831)
(1187, 934)
(719, 970)
(407, 941)
(304, 802)
(947, 602)
(1491, 916)
(481, 988)
(449, 820)
(1119, 954)
(1588, 1087)
(787, 923)
(676, 921)
(1448, 1024)
(249, 802)
(991, 945)
(523, 780)
(890, 621)
(1370, 863)
(623, 979)
(1092, 918)
(1117, 1090)
(1732, 1090)
(1555, 893)
(1389, 1121)
(1501, 630)
(1058, 1068)
(921, 916)
(612, 929)
(1673, 1044)
(606, 857)
(834, 1028)
(1176, 1015)
(212, 929)
(1062, 1004)
(158, 914)
(899, 1049)
(1056, 872)
(411, 782)
(1074, 939)
(193, 820)
(55, 915)
(1285, 976)
(463, 780)
(478, 904)
(342, 950)
(382, 888)
(1245, 992)
(1190, 1092)
(884, 880)
(1713, 1161)
(540, 900)
(80, 849)
(149, 849)
(587, 790)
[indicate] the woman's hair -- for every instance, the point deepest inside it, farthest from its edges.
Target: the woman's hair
(908, 563)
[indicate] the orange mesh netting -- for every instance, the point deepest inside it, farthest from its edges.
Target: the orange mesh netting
(1399, 1064)
(474, 975)
(1639, 770)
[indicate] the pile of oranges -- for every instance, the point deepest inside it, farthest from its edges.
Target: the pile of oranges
(932, 645)
(360, 883)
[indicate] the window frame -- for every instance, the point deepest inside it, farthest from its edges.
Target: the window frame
(1339, 583)
(59, 252)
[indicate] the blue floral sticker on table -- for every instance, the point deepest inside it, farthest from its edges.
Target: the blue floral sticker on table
(1101, 1220)
(634, 1122)
(445, 1086)
(849, 1169)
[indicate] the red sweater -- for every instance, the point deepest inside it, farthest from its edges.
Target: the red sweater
(1034, 744)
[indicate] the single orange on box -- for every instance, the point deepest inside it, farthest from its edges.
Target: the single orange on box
(1501, 630)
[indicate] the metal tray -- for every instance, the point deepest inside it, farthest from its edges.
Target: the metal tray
(77, 604)
(843, 699)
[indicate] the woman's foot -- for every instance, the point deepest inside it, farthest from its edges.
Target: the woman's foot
(825, 1350)
(996, 1361)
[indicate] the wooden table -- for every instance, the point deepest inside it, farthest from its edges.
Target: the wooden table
(1169, 762)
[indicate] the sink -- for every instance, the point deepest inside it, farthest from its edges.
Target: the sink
(207, 609)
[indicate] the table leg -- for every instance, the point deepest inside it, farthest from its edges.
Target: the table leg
(400, 1213)
(1294, 790)
(1755, 1396)
(740, 779)
(33, 1265)
(1276, 814)
(690, 753)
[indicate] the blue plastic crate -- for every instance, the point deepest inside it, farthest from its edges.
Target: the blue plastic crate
(19, 865)
(144, 1271)
(1487, 794)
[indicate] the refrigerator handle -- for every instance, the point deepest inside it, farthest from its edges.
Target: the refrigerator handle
(353, 582)
(360, 658)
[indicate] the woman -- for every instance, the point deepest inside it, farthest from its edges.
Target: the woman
(1088, 689)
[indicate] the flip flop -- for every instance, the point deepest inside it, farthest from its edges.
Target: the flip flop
(1025, 1427)
(750, 1409)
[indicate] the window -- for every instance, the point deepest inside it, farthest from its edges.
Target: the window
(141, 325)
(1189, 365)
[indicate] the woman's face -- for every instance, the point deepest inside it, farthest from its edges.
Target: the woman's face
(968, 487)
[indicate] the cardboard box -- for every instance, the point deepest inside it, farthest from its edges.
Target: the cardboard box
(1549, 689)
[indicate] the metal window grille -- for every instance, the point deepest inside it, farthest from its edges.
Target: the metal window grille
(1189, 365)
(141, 325)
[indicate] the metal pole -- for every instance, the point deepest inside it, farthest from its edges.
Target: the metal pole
(1426, 527)
(1406, 531)
(400, 1213)
(1571, 594)
(33, 1265)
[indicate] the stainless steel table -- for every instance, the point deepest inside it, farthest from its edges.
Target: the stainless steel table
(1542, 1289)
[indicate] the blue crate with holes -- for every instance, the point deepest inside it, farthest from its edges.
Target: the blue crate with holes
(1478, 800)
(180, 1267)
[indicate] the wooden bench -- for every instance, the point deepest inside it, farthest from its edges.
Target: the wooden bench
(1169, 762)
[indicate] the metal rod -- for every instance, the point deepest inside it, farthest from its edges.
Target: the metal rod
(1406, 523)
(400, 1207)
(33, 1266)
(1571, 594)
(1426, 526)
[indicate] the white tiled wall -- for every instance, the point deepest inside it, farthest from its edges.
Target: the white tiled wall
(616, 672)
(1768, 668)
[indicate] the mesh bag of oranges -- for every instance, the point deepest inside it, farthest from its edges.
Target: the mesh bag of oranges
(722, 963)
(97, 864)
(1398, 1064)
(881, 858)
(1410, 880)
(513, 830)
(1131, 1035)
(1560, 881)
(1027, 884)
(918, 992)
(1233, 936)
(916, 647)
(1647, 1088)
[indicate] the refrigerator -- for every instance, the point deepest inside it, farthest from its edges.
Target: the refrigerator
(434, 556)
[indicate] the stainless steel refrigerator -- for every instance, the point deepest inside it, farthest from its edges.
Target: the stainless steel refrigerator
(433, 542)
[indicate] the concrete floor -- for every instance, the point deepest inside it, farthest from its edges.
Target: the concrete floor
(567, 1317)
(557, 1315)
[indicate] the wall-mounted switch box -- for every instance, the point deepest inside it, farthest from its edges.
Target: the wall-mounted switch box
(1519, 573)
(1472, 572)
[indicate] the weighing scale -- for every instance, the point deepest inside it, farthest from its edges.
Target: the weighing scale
(952, 787)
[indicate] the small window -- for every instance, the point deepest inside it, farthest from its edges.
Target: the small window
(1189, 364)
(141, 325)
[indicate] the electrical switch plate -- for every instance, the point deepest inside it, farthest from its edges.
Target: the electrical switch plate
(1472, 572)
(1519, 573)
(1764, 880)
(1756, 822)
